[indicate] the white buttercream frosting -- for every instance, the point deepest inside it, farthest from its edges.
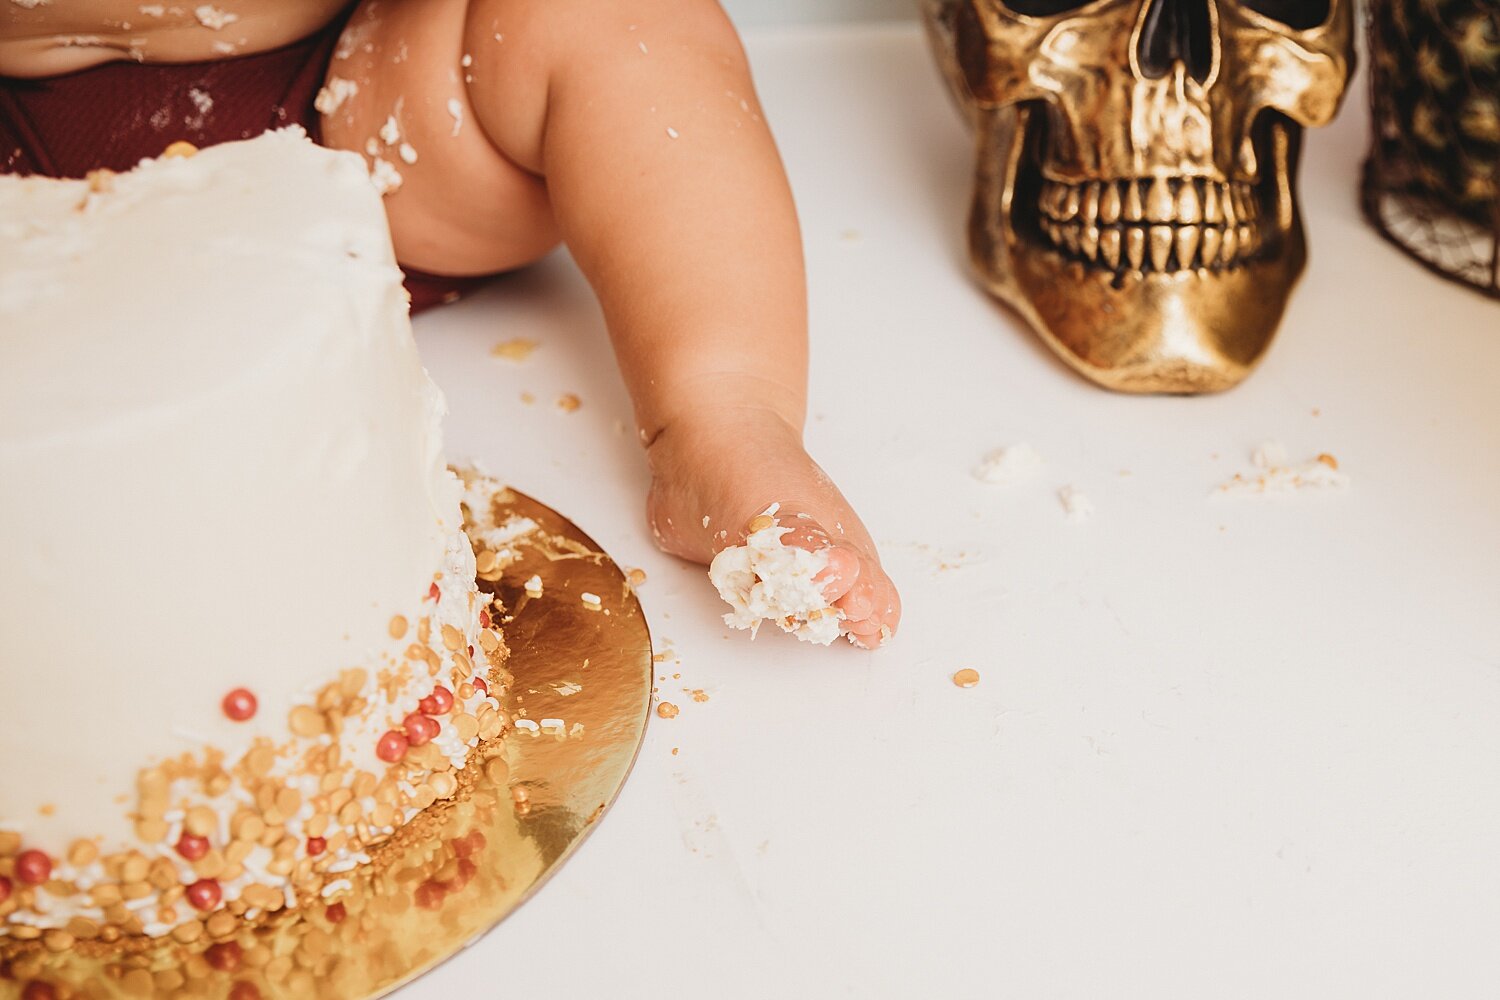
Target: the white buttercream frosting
(765, 580)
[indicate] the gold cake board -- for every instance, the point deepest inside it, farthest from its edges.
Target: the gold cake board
(526, 801)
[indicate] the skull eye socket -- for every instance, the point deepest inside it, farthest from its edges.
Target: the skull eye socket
(1044, 8)
(1303, 15)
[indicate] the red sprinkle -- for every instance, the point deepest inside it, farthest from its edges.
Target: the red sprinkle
(191, 846)
(420, 729)
(440, 702)
(240, 704)
(481, 686)
(244, 990)
(433, 593)
(335, 913)
(4, 888)
(38, 990)
(316, 846)
(33, 867)
(224, 956)
(391, 746)
(204, 894)
(484, 618)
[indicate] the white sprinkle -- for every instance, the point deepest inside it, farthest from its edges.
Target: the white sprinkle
(333, 94)
(30, 4)
(456, 109)
(390, 132)
(534, 586)
(499, 37)
(213, 18)
(567, 689)
(1077, 506)
(466, 61)
(672, 132)
(407, 152)
(589, 598)
(372, 147)
(553, 724)
(527, 725)
(705, 520)
(224, 48)
(644, 50)
(154, 9)
(338, 885)
(1013, 464)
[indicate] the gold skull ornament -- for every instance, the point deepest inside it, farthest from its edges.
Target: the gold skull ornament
(1135, 196)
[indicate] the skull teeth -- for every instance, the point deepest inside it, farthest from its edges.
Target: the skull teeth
(1161, 224)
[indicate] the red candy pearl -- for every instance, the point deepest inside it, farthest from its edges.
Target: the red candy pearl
(243, 990)
(335, 913)
(433, 593)
(316, 846)
(191, 846)
(4, 888)
(204, 894)
(224, 956)
(391, 747)
(420, 729)
(33, 867)
(440, 702)
(484, 618)
(38, 990)
(481, 686)
(240, 704)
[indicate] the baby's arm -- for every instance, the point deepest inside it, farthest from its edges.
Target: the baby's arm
(631, 129)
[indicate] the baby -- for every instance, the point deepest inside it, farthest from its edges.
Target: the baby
(628, 129)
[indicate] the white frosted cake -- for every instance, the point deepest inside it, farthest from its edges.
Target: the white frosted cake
(240, 639)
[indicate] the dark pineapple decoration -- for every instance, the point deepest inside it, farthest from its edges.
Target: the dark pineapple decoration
(1432, 181)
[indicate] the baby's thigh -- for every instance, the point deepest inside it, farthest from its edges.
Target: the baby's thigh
(398, 91)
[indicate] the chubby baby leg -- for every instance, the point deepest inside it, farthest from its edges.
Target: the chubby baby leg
(629, 129)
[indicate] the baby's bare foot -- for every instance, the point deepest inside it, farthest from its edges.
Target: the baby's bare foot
(711, 478)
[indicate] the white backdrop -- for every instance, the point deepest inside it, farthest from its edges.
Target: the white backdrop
(749, 13)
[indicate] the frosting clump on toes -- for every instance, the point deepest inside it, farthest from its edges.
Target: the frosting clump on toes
(766, 580)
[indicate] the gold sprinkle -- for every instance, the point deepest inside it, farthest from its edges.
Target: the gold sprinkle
(307, 721)
(57, 940)
(289, 800)
(222, 923)
(100, 180)
(398, 626)
(761, 522)
(201, 821)
(179, 150)
(187, 933)
(514, 349)
(135, 869)
(635, 577)
(667, 710)
(966, 678)
(465, 727)
(699, 694)
(569, 402)
(83, 853)
(1329, 461)
(452, 638)
(497, 770)
(486, 562)
(152, 830)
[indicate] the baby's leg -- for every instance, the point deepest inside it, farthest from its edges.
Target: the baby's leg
(630, 129)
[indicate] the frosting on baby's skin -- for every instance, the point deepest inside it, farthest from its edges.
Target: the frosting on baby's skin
(765, 580)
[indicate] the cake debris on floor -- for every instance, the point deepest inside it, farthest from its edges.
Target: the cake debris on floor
(1015, 463)
(764, 580)
(514, 349)
(1077, 506)
(1274, 474)
(569, 402)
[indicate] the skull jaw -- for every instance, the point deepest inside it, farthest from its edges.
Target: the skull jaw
(1184, 332)
(1181, 333)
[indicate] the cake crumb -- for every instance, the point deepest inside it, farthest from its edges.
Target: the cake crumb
(1012, 464)
(1275, 474)
(675, 750)
(569, 402)
(667, 710)
(1077, 506)
(514, 349)
(635, 577)
(699, 695)
(966, 678)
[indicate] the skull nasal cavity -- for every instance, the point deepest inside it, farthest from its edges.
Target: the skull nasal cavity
(1176, 31)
